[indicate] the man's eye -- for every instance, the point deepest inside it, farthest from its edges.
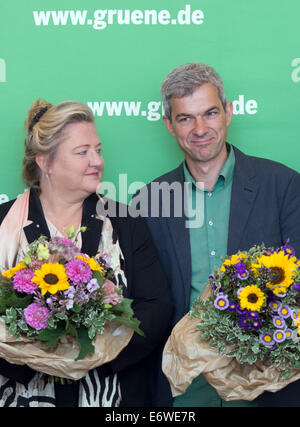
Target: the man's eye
(184, 119)
(212, 113)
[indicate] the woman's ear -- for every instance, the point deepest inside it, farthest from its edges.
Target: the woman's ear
(42, 162)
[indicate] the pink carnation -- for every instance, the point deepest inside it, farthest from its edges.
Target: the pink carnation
(36, 316)
(78, 271)
(111, 295)
(22, 281)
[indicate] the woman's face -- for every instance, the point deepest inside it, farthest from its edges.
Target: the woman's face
(77, 165)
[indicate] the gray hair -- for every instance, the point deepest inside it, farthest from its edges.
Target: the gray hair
(185, 79)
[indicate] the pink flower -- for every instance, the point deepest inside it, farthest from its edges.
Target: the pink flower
(78, 271)
(36, 316)
(111, 295)
(22, 281)
(36, 264)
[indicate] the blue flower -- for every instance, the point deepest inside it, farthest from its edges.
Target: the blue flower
(243, 322)
(278, 322)
(267, 339)
(288, 334)
(232, 306)
(275, 305)
(256, 324)
(252, 314)
(284, 311)
(279, 335)
(221, 302)
(242, 272)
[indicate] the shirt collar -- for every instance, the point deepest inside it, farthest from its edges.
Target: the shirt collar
(226, 173)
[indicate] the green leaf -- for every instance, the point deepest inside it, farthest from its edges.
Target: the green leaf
(131, 323)
(76, 308)
(86, 345)
(97, 275)
(124, 314)
(124, 307)
(286, 374)
(10, 298)
(51, 337)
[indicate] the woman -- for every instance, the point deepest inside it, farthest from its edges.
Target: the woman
(63, 167)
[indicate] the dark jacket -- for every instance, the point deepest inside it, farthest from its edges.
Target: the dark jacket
(265, 208)
(146, 285)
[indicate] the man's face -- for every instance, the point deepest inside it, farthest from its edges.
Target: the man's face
(199, 123)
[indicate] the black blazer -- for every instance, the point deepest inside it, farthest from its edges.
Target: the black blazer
(265, 208)
(146, 284)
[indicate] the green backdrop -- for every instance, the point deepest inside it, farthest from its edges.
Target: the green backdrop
(114, 54)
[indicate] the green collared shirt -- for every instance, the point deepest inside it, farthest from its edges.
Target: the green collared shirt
(209, 242)
(208, 245)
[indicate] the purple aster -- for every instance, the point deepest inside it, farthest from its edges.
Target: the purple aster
(275, 305)
(22, 281)
(221, 301)
(296, 286)
(278, 322)
(267, 339)
(36, 316)
(241, 310)
(284, 311)
(243, 322)
(252, 315)
(213, 287)
(242, 272)
(279, 335)
(256, 324)
(288, 334)
(232, 306)
(294, 314)
(288, 250)
(78, 271)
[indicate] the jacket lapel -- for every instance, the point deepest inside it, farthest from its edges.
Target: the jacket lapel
(243, 194)
(90, 238)
(180, 233)
(38, 226)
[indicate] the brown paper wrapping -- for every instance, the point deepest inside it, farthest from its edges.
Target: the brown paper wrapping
(185, 357)
(60, 361)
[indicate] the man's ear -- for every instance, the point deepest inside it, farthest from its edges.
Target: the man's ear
(169, 125)
(228, 112)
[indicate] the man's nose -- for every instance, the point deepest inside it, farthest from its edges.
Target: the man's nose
(200, 126)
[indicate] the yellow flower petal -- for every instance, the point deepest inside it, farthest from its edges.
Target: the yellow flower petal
(51, 278)
(252, 298)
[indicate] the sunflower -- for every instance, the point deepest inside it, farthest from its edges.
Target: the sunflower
(51, 278)
(283, 270)
(11, 272)
(252, 298)
(91, 263)
(236, 258)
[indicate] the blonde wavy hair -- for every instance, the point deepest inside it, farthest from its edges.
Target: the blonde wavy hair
(45, 125)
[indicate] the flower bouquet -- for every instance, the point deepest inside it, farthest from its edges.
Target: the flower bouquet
(243, 333)
(61, 312)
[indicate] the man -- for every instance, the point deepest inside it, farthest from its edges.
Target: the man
(245, 201)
